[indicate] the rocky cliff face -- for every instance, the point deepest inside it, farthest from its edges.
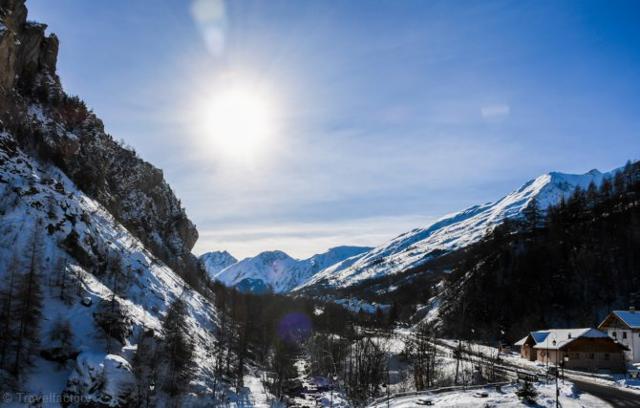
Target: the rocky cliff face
(24, 48)
(47, 122)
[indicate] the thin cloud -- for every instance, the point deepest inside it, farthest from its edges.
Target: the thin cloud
(305, 239)
(495, 112)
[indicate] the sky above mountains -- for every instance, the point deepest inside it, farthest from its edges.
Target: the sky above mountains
(351, 122)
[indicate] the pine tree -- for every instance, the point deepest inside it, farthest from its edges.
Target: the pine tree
(145, 367)
(532, 215)
(61, 337)
(7, 305)
(238, 336)
(117, 275)
(177, 351)
(28, 311)
(63, 282)
(113, 320)
(527, 393)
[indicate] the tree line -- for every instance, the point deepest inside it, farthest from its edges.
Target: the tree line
(564, 266)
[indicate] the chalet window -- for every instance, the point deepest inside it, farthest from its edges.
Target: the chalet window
(569, 335)
(624, 335)
(606, 356)
(615, 335)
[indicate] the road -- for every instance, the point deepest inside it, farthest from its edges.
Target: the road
(615, 397)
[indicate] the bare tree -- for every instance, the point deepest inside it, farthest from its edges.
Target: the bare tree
(422, 354)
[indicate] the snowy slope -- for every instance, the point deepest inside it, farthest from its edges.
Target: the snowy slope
(453, 231)
(215, 261)
(39, 203)
(278, 272)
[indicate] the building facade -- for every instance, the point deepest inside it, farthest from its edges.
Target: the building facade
(623, 326)
(579, 349)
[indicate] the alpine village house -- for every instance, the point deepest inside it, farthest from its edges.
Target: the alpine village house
(624, 327)
(581, 349)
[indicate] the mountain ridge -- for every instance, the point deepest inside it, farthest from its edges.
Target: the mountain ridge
(453, 231)
(275, 271)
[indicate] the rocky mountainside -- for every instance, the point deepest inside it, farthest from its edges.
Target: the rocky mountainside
(274, 271)
(452, 232)
(95, 258)
(74, 244)
(43, 119)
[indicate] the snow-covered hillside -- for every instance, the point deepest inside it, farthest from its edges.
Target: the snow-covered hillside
(72, 236)
(451, 232)
(276, 271)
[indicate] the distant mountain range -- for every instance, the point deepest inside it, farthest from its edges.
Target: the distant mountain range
(273, 271)
(347, 266)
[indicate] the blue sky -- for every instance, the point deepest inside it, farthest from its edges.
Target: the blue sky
(389, 113)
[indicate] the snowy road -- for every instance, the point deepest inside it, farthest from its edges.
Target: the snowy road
(615, 397)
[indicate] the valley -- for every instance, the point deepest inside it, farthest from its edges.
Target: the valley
(103, 302)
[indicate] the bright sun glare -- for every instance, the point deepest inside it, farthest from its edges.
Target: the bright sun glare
(238, 122)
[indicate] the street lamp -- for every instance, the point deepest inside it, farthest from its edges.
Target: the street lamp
(557, 389)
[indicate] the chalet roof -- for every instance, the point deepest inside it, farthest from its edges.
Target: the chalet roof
(543, 339)
(521, 341)
(566, 336)
(537, 336)
(630, 317)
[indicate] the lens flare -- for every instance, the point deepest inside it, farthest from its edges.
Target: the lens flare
(294, 328)
(211, 20)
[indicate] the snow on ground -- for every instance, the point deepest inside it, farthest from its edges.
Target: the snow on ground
(513, 358)
(504, 397)
(256, 394)
(317, 390)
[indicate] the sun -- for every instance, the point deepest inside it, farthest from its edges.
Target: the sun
(238, 121)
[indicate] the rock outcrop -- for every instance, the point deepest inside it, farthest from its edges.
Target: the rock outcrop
(24, 48)
(60, 128)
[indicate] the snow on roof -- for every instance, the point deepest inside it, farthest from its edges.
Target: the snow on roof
(562, 337)
(521, 341)
(537, 336)
(630, 317)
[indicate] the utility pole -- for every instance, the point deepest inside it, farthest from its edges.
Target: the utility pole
(388, 381)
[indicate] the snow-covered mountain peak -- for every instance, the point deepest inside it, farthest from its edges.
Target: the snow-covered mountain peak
(215, 261)
(278, 272)
(454, 231)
